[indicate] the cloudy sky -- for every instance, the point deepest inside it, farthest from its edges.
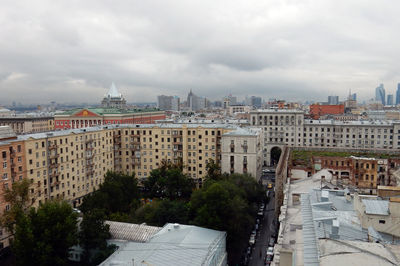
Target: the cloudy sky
(71, 51)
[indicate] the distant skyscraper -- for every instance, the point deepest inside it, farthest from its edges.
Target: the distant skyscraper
(333, 100)
(195, 102)
(255, 101)
(380, 94)
(354, 96)
(389, 99)
(398, 94)
(168, 102)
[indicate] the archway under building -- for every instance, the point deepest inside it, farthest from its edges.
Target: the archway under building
(275, 155)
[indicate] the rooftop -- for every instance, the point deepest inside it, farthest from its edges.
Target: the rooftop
(106, 111)
(243, 132)
(174, 244)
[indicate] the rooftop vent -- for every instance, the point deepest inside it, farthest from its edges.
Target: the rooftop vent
(176, 226)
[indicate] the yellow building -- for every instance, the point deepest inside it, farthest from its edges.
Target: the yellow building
(141, 148)
(67, 164)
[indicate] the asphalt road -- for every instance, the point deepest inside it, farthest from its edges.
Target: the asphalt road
(260, 248)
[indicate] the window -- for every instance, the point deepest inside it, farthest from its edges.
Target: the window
(382, 221)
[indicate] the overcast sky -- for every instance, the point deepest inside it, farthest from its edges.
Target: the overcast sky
(71, 51)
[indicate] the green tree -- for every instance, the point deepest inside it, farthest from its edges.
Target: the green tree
(93, 235)
(169, 182)
(18, 198)
(44, 236)
(118, 193)
(213, 170)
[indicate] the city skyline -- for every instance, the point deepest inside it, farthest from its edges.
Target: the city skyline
(293, 50)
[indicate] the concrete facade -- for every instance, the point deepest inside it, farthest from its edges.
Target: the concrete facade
(242, 152)
(27, 125)
(288, 127)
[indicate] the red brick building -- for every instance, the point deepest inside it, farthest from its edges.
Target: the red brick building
(318, 110)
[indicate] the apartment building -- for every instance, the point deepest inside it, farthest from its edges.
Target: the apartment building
(67, 164)
(27, 124)
(288, 127)
(141, 148)
(12, 168)
(242, 152)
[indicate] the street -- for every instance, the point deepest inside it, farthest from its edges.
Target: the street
(263, 236)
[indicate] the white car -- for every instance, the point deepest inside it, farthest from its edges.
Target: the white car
(270, 251)
(252, 240)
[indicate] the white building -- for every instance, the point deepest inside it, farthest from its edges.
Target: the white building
(288, 127)
(242, 152)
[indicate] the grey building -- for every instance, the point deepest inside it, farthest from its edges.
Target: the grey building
(398, 94)
(333, 100)
(389, 99)
(195, 103)
(168, 103)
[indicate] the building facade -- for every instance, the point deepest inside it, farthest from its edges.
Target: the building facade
(12, 168)
(27, 125)
(289, 127)
(242, 152)
(318, 110)
(168, 103)
(88, 117)
(113, 99)
(380, 94)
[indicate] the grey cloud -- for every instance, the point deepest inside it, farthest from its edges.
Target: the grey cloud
(72, 50)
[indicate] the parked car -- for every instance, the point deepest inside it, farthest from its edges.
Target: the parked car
(252, 240)
(260, 213)
(271, 242)
(268, 259)
(269, 186)
(270, 251)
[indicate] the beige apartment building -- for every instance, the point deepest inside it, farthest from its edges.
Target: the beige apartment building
(27, 124)
(141, 148)
(242, 152)
(67, 164)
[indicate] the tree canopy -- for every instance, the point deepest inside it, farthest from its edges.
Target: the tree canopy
(44, 236)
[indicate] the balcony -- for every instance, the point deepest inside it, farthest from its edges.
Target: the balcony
(89, 141)
(53, 165)
(89, 148)
(177, 141)
(55, 183)
(232, 146)
(89, 172)
(135, 162)
(54, 174)
(53, 155)
(12, 153)
(117, 140)
(52, 146)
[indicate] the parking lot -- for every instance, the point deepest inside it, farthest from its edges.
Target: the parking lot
(256, 253)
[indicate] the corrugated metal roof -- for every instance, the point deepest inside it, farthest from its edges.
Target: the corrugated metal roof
(132, 232)
(310, 243)
(174, 245)
(377, 207)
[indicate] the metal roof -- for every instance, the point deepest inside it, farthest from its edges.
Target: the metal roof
(310, 242)
(132, 232)
(377, 207)
(174, 245)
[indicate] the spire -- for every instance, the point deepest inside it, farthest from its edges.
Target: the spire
(113, 92)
